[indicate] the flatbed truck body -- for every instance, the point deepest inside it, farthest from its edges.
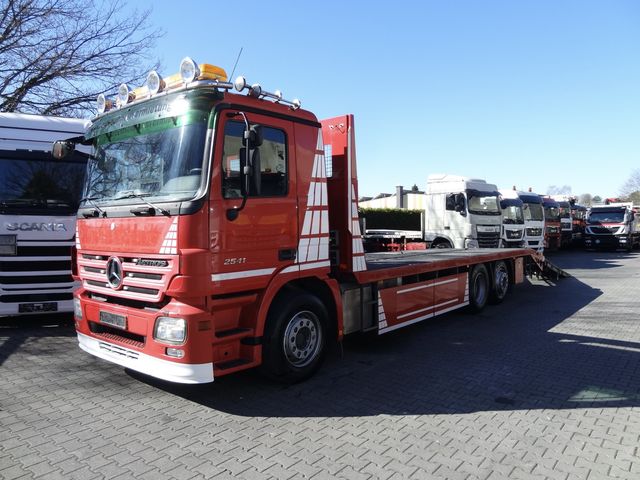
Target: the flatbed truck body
(242, 247)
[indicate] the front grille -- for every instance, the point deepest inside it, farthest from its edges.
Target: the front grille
(34, 266)
(488, 240)
(534, 232)
(144, 279)
(35, 297)
(604, 230)
(514, 234)
(553, 229)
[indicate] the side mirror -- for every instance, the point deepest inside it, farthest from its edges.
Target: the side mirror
(62, 148)
(460, 204)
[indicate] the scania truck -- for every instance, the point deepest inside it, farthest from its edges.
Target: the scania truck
(39, 198)
(219, 232)
(462, 212)
(612, 226)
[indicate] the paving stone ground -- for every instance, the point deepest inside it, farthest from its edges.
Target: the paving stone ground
(543, 386)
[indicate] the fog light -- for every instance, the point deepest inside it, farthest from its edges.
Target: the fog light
(175, 352)
(77, 308)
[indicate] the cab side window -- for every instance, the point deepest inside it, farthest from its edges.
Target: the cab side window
(273, 161)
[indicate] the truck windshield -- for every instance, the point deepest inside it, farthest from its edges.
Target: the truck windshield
(606, 217)
(512, 214)
(37, 184)
(483, 203)
(533, 211)
(552, 214)
(160, 159)
(565, 212)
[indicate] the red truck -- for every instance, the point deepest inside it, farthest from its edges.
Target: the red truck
(219, 232)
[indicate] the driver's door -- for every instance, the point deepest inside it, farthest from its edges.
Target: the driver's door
(264, 236)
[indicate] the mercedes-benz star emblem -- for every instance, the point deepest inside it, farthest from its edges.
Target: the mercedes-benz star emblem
(114, 273)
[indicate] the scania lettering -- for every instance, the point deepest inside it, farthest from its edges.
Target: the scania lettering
(220, 233)
(39, 197)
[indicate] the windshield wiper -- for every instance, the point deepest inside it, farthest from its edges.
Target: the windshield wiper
(141, 197)
(90, 200)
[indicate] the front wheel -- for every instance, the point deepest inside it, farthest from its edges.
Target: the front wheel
(501, 282)
(478, 288)
(295, 338)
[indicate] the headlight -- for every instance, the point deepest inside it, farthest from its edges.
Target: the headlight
(77, 308)
(8, 245)
(470, 243)
(170, 330)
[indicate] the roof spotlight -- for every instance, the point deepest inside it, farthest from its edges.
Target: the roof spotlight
(155, 83)
(189, 70)
(240, 83)
(124, 94)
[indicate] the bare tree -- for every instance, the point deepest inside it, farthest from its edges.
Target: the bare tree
(631, 188)
(555, 190)
(585, 199)
(56, 56)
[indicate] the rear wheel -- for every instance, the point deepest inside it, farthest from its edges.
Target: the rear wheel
(295, 338)
(479, 287)
(501, 282)
(441, 244)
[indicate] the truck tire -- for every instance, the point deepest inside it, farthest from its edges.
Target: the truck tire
(479, 287)
(441, 244)
(295, 337)
(501, 282)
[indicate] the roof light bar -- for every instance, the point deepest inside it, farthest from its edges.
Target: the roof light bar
(155, 83)
(189, 70)
(256, 90)
(124, 95)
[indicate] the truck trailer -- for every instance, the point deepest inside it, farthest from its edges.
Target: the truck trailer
(220, 232)
(39, 198)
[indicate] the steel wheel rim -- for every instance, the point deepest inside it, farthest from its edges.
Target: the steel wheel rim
(302, 338)
(502, 280)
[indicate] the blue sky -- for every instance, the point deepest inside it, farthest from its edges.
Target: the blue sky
(531, 94)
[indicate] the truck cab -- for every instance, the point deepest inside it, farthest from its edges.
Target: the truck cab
(612, 226)
(533, 213)
(462, 212)
(512, 222)
(552, 224)
(39, 197)
(566, 220)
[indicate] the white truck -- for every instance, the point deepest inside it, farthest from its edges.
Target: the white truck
(39, 198)
(462, 212)
(533, 217)
(512, 220)
(612, 226)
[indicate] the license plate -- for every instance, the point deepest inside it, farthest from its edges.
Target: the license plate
(113, 319)
(38, 307)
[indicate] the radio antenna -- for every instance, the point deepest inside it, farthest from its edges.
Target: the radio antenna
(236, 64)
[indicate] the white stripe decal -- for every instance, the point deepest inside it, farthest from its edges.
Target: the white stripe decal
(427, 286)
(308, 266)
(433, 307)
(419, 319)
(217, 277)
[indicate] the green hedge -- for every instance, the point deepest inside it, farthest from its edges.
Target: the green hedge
(391, 218)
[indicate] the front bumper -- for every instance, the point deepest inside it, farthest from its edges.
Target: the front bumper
(140, 362)
(604, 241)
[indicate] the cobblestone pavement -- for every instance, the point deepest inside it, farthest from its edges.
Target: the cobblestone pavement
(545, 385)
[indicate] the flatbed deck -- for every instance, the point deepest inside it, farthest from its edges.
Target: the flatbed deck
(385, 265)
